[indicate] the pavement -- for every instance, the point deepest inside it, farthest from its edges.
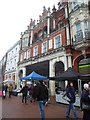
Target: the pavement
(14, 108)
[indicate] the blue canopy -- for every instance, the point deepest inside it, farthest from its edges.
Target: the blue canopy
(34, 76)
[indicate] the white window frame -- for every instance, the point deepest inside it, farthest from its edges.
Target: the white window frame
(50, 44)
(28, 54)
(24, 55)
(86, 25)
(59, 42)
(44, 47)
(26, 41)
(79, 23)
(35, 53)
(54, 24)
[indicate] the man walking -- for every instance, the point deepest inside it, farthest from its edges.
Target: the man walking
(42, 97)
(24, 91)
(70, 93)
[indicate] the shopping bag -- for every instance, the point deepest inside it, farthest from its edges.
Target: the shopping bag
(3, 93)
(85, 106)
(65, 98)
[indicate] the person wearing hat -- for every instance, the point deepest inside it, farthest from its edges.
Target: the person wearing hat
(85, 98)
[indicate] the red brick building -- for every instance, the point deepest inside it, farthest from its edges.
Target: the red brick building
(56, 42)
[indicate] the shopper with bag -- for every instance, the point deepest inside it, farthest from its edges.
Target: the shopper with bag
(70, 93)
(85, 102)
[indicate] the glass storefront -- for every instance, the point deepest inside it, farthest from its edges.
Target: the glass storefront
(84, 66)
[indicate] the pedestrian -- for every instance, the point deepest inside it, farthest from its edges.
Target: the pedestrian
(31, 92)
(6, 88)
(24, 92)
(70, 93)
(10, 90)
(42, 96)
(48, 98)
(15, 86)
(85, 99)
(3, 91)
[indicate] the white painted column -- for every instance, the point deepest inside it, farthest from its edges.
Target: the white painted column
(66, 66)
(69, 61)
(24, 71)
(67, 33)
(24, 74)
(65, 62)
(51, 74)
(17, 80)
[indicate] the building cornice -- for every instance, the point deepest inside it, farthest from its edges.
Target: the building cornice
(45, 56)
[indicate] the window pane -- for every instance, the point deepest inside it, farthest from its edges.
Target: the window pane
(28, 56)
(35, 51)
(57, 42)
(44, 47)
(78, 27)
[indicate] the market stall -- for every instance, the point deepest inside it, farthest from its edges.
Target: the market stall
(69, 75)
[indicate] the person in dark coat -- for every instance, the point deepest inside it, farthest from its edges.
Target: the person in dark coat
(6, 88)
(42, 97)
(85, 98)
(24, 91)
(70, 93)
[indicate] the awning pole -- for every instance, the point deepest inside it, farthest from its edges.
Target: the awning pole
(79, 87)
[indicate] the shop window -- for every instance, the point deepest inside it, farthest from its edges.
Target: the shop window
(84, 66)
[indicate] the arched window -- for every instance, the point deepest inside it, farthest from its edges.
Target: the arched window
(45, 31)
(59, 69)
(60, 24)
(20, 74)
(35, 37)
(40, 35)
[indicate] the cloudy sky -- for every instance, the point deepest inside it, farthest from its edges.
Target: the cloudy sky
(15, 15)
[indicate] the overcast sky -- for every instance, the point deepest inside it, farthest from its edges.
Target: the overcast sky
(15, 15)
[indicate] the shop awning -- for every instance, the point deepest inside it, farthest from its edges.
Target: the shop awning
(34, 76)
